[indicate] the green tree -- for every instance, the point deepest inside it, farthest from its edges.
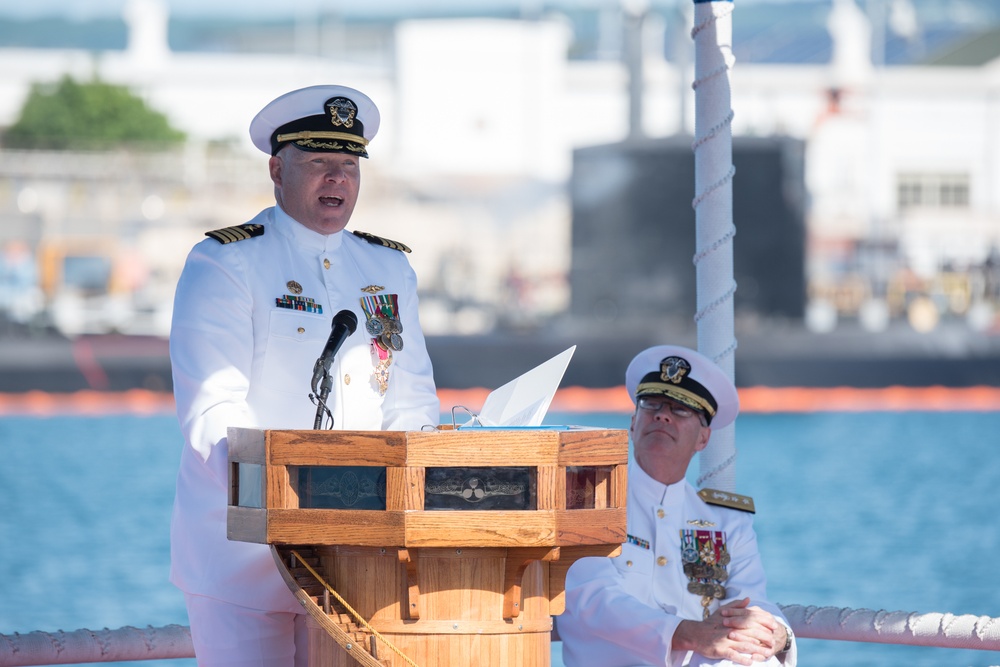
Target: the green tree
(70, 115)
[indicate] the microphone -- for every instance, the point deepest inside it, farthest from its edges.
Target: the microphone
(344, 324)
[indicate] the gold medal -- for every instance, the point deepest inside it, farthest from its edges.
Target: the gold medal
(381, 374)
(696, 588)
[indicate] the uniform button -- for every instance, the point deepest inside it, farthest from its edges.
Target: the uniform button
(661, 513)
(302, 330)
(347, 378)
(628, 563)
(326, 263)
(662, 560)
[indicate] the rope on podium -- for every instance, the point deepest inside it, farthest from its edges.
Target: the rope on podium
(351, 610)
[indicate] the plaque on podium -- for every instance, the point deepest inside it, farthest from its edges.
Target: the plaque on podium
(436, 547)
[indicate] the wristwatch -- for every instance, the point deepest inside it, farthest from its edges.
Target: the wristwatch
(788, 640)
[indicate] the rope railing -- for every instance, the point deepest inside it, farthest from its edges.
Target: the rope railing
(357, 617)
(80, 646)
(906, 628)
(941, 630)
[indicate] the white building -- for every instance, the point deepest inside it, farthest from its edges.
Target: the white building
(480, 118)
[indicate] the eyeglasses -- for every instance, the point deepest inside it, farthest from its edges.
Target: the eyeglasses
(657, 403)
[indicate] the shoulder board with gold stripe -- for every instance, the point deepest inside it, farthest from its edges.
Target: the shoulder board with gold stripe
(378, 240)
(237, 233)
(726, 499)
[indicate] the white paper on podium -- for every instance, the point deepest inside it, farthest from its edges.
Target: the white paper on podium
(524, 400)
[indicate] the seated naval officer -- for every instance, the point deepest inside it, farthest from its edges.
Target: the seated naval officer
(252, 315)
(689, 586)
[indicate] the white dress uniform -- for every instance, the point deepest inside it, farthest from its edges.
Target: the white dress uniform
(250, 319)
(623, 611)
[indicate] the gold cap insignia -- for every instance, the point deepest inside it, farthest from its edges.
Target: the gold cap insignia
(673, 369)
(342, 112)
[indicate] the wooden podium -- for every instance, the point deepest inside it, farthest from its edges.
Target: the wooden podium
(443, 547)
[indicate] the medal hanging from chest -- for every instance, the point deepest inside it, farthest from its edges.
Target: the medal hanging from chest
(383, 324)
(705, 559)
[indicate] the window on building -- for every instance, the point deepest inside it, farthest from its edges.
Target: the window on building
(932, 191)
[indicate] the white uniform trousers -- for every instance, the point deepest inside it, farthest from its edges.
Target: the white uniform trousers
(228, 635)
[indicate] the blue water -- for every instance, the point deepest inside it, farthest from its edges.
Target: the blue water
(894, 511)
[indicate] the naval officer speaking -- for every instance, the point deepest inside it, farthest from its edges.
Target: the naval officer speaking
(252, 312)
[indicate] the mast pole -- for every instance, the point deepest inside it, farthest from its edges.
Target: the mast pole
(713, 204)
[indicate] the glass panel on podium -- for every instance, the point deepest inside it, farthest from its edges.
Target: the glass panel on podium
(514, 488)
(249, 486)
(587, 487)
(341, 487)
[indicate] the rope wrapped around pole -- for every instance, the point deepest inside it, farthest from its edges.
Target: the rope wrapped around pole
(895, 627)
(123, 644)
(713, 205)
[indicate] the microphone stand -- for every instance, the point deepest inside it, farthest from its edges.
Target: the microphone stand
(343, 326)
(325, 385)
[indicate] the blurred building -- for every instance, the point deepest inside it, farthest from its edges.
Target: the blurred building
(894, 188)
(634, 233)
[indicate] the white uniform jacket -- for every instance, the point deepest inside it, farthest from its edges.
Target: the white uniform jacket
(623, 611)
(247, 331)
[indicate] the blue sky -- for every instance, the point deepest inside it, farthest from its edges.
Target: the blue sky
(82, 9)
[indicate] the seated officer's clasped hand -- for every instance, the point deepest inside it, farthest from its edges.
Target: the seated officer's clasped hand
(736, 631)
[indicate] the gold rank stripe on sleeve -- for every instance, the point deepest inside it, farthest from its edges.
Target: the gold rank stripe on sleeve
(237, 233)
(386, 243)
(726, 499)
